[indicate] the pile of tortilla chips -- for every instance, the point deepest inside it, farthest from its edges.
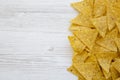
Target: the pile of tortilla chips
(96, 40)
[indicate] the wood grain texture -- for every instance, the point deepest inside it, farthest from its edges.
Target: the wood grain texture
(33, 39)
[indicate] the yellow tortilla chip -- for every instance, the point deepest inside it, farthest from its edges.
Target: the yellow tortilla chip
(84, 34)
(108, 41)
(74, 27)
(99, 8)
(117, 41)
(118, 78)
(76, 44)
(118, 25)
(75, 72)
(116, 12)
(89, 70)
(110, 19)
(114, 73)
(80, 58)
(116, 65)
(107, 75)
(83, 8)
(91, 58)
(105, 59)
(101, 25)
(90, 2)
(82, 20)
(98, 49)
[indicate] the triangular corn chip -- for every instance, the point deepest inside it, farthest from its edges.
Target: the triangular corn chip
(98, 49)
(80, 58)
(110, 19)
(91, 58)
(117, 41)
(107, 75)
(82, 20)
(99, 8)
(89, 70)
(84, 34)
(116, 65)
(83, 8)
(118, 25)
(114, 73)
(76, 44)
(90, 2)
(105, 59)
(118, 78)
(108, 41)
(101, 25)
(74, 27)
(75, 72)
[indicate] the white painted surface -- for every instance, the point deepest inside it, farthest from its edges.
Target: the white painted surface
(33, 39)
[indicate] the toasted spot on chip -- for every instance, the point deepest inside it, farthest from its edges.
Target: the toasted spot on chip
(76, 44)
(84, 34)
(108, 42)
(101, 25)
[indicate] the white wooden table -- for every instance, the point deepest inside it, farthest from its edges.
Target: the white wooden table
(33, 39)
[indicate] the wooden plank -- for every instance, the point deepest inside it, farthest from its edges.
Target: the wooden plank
(33, 39)
(36, 6)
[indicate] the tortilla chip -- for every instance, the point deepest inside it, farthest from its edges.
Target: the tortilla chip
(116, 12)
(83, 8)
(80, 58)
(74, 27)
(117, 41)
(118, 78)
(82, 20)
(75, 72)
(90, 2)
(116, 65)
(105, 59)
(118, 25)
(107, 75)
(88, 70)
(99, 8)
(114, 73)
(110, 19)
(98, 49)
(76, 44)
(91, 58)
(84, 34)
(101, 25)
(108, 41)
